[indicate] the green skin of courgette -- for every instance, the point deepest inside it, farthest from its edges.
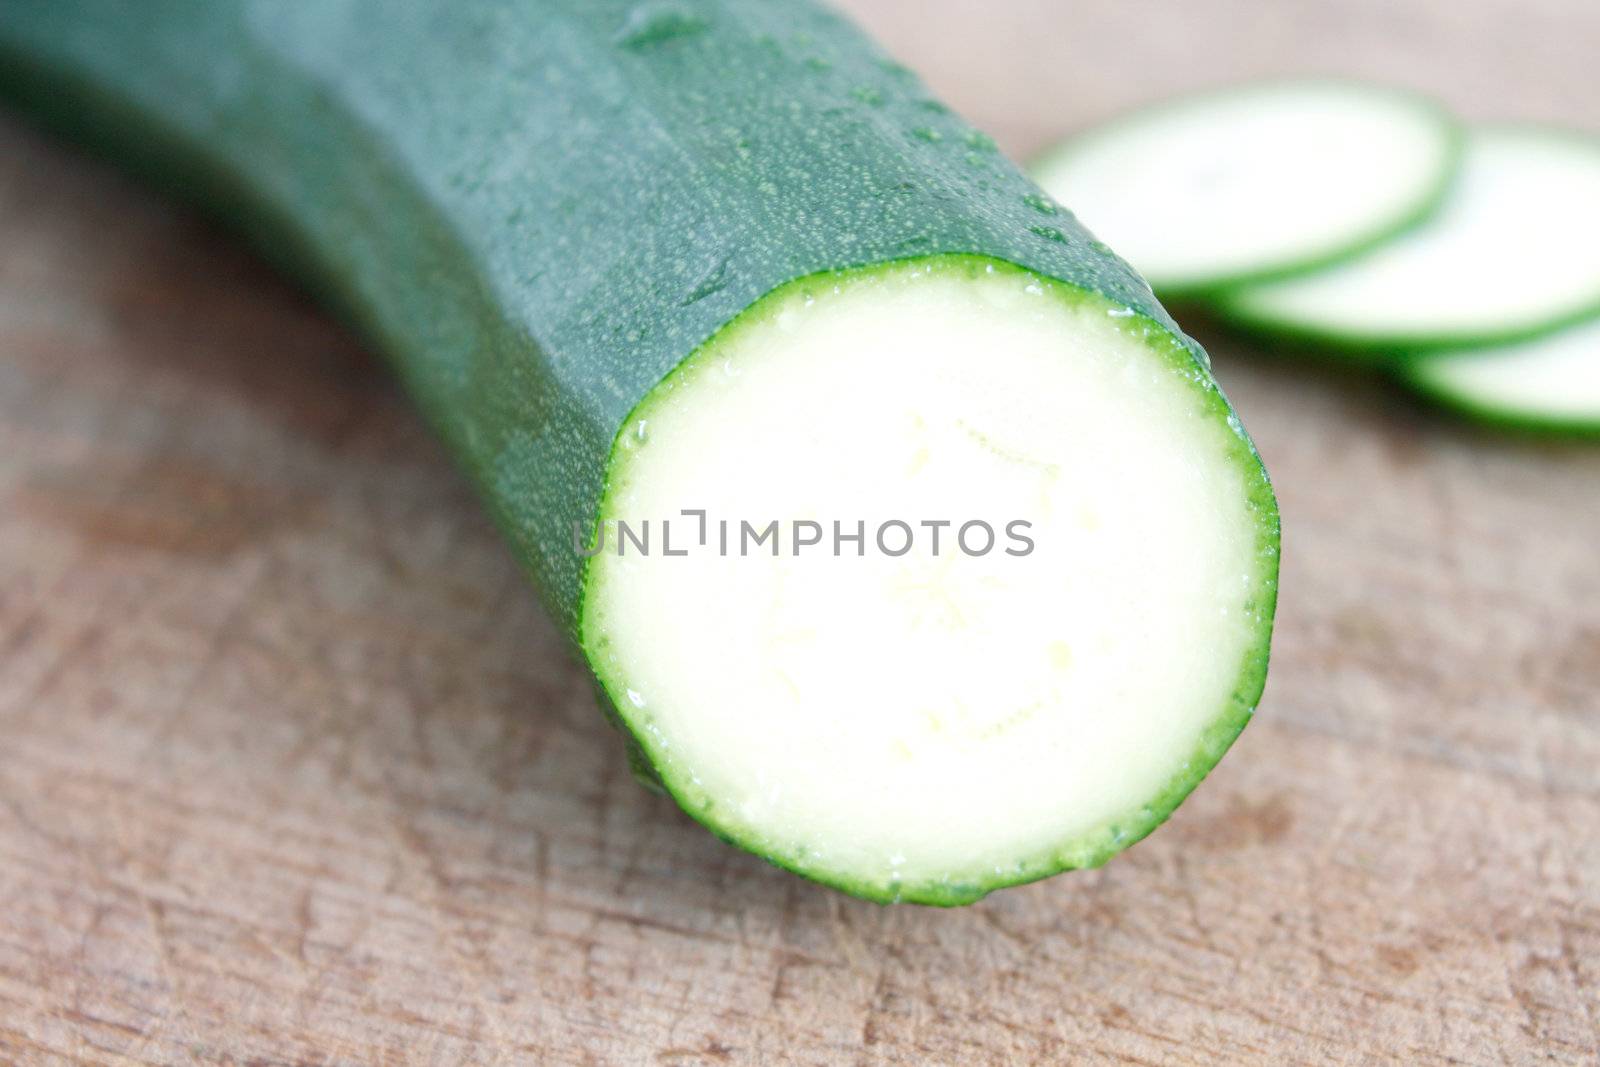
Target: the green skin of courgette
(538, 210)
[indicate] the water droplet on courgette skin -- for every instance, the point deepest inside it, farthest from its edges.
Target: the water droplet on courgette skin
(1040, 203)
(656, 23)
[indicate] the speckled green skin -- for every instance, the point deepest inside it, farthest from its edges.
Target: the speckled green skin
(539, 208)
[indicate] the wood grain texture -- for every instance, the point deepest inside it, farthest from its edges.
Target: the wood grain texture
(293, 770)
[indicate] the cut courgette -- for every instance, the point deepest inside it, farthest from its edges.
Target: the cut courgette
(1255, 181)
(1550, 383)
(726, 258)
(1511, 252)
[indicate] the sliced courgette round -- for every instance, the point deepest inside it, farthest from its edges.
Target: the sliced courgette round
(1514, 250)
(1547, 383)
(1255, 181)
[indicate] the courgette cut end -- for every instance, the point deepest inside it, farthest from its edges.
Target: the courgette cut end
(1256, 181)
(1549, 384)
(931, 726)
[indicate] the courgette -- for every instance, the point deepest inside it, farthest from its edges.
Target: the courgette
(1256, 181)
(1510, 253)
(1550, 383)
(641, 260)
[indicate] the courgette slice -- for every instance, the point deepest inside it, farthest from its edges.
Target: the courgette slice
(1510, 253)
(1256, 181)
(1549, 383)
(638, 261)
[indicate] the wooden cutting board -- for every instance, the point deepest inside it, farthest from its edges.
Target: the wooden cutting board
(293, 771)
